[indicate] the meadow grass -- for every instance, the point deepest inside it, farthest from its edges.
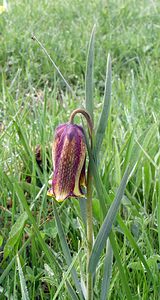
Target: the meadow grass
(33, 101)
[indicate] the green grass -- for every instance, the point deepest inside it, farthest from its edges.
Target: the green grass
(33, 101)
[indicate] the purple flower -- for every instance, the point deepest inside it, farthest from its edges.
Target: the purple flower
(68, 154)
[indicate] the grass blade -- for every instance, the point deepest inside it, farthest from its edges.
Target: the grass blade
(53, 63)
(106, 108)
(66, 251)
(117, 164)
(10, 265)
(15, 234)
(102, 194)
(158, 207)
(133, 244)
(120, 266)
(24, 290)
(66, 276)
(71, 291)
(42, 243)
(107, 271)
(107, 225)
(140, 145)
(128, 152)
(89, 74)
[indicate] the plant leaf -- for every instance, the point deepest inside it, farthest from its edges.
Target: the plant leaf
(140, 145)
(107, 225)
(1, 240)
(71, 291)
(70, 268)
(15, 234)
(89, 74)
(121, 268)
(53, 63)
(117, 173)
(106, 108)
(52, 260)
(10, 265)
(128, 156)
(103, 196)
(66, 251)
(107, 271)
(133, 244)
(24, 290)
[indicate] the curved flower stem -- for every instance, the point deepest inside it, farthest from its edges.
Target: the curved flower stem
(89, 233)
(89, 201)
(87, 117)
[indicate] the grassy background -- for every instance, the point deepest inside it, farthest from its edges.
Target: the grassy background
(33, 100)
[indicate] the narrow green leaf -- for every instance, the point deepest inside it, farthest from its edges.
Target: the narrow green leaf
(103, 196)
(133, 157)
(53, 63)
(117, 174)
(24, 290)
(147, 182)
(66, 251)
(15, 234)
(142, 143)
(23, 138)
(98, 185)
(158, 205)
(89, 74)
(7, 180)
(97, 178)
(64, 279)
(133, 244)
(29, 187)
(107, 271)
(107, 225)
(128, 156)
(11, 263)
(106, 108)
(1, 240)
(52, 260)
(121, 268)
(10, 123)
(71, 291)
(29, 153)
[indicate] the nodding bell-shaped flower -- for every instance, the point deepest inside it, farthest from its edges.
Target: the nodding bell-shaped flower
(68, 154)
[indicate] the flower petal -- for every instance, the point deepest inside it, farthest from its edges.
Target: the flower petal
(69, 151)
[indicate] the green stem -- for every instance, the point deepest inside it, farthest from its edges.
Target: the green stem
(87, 117)
(89, 201)
(89, 233)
